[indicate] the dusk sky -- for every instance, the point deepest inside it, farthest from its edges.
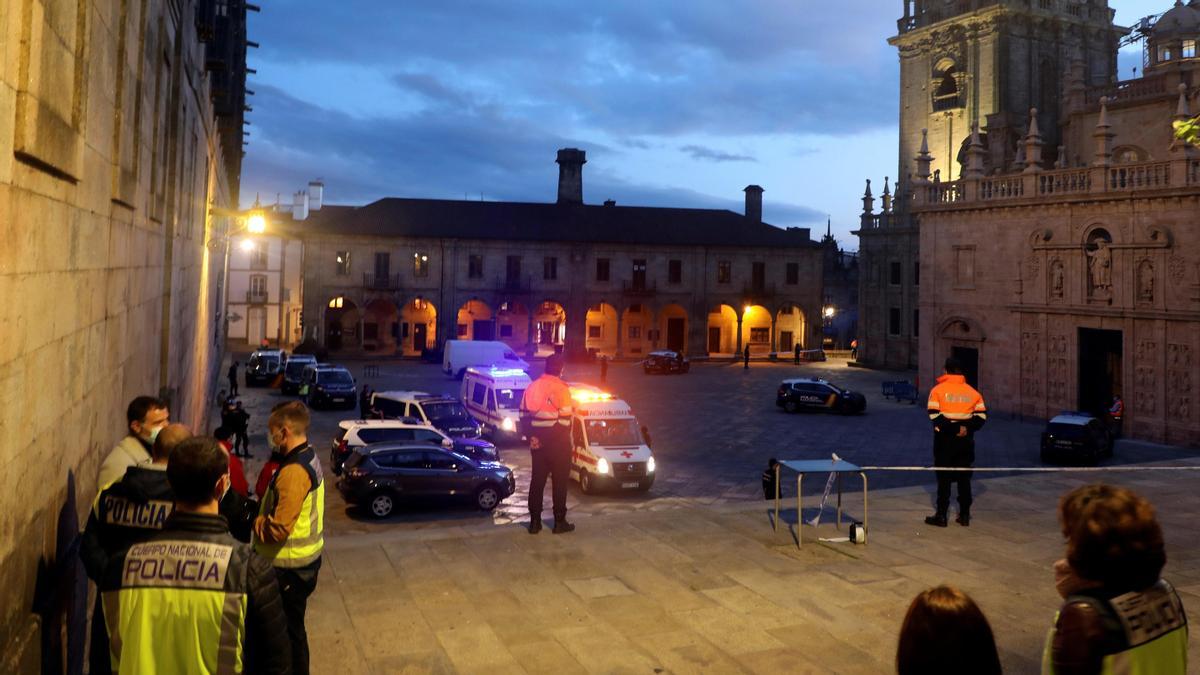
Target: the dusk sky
(676, 103)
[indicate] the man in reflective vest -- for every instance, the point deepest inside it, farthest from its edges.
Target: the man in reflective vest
(957, 411)
(191, 598)
(289, 530)
(546, 410)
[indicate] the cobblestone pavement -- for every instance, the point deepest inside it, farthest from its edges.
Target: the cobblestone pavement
(713, 430)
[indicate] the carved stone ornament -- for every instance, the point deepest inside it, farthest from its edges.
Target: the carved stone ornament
(1145, 281)
(1176, 268)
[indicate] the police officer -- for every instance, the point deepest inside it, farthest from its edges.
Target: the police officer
(289, 530)
(957, 411)
(546, 410)
(185, 600)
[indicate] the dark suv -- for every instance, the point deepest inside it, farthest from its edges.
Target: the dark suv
(1076, 436)
(325, 385)
(263, 366)
(378, 476)
(293, 372)
(817, 394)
(665, 361)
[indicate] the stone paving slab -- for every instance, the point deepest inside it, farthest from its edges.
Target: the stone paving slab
(707, 589)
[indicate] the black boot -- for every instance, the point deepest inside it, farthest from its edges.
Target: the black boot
(937, 520)
(535, 526)
(964, 519)
(563, 527)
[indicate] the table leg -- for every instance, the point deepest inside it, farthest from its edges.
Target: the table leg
(799, 512)
(839, 509)
(865, 526)
(776, 497)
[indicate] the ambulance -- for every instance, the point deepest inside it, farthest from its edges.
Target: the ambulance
(607, 446)
(492, 395)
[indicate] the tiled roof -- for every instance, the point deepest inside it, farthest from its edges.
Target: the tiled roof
(452, 219)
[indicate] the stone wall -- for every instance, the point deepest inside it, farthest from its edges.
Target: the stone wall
(108, 160)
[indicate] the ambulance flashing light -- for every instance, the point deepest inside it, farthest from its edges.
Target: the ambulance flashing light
(505, 372)
(590, 395)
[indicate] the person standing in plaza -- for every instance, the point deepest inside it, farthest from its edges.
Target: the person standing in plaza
(546, 410)
(603, 369)
(240, 421)
(145, 417)
(746, 358)
(289, 530)
(1116, 412)
(957, 411)
(192, 599)
(233, 388)
(854, 349)
(364, 403)
(796, 350)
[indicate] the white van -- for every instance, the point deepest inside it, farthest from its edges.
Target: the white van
(493, 397)
(608, 449)
(459, 355)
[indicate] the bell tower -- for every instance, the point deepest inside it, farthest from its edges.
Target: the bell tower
(988, 62)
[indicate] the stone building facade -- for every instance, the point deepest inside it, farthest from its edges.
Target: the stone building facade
(977, 62)
(400, 276)
(111, 164)
(1074, 276)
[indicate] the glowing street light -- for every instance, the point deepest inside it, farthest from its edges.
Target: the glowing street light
(256, 222)
(247, 245)
(829, 311)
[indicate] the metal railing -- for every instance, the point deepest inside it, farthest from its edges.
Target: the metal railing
(257, 297)
(636, 288)
(381, 282)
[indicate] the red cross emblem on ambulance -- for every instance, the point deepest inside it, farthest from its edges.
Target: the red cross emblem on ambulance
(626, 454)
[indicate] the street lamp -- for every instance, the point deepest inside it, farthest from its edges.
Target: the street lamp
(829, 311)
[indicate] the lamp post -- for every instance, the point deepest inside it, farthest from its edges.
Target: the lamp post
(252, 221)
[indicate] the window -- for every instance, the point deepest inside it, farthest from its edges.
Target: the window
(894, 273)
(506, 330)
(512, 270)
(258, 286)
(368, 436)
(427, 436)
(370, 331)
(401, 460)
(917, 273)
(442, 462)
(383, 266)
(675, 272)
(724, 272)
(635, 332)
(894, 321)
(793, 273)
(387, 407)
(601, 269)
(639, 273)
(1164, 53)
(420, 264)
(258, 257)
(758, 275)
(1189, 49)
(760, 335)
(550, 268)
(343, 263)
(479, 394)
(474, 266)
(945, 96)
(594, 332)
(916, 327)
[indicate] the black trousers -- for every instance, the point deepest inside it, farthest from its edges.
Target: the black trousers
(241, 441)
(232, 387)
(295, 585)
(99, 656)
(552, 460)
(956, 453)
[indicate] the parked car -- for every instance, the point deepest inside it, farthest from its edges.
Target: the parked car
(379, 476)
(445, 413)
(263, 366)
(354, 434)
(811, 393)
(328, 385)
(293, 372)
(1076, 436)
(665, 361)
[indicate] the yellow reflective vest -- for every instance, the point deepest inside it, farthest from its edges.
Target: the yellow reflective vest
(307, 539)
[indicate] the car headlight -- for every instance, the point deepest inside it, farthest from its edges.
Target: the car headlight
(602, 466)
(508, 424)
(650, 465)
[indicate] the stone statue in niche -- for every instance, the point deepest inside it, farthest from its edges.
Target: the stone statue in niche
(1056, 279)
(1100, 266)
(1146, 281)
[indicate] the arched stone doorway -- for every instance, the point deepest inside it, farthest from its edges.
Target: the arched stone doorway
(341, 324)
(550, 327)
(475, 321)
(513, 325)
(381, 326)
(790, 329)
(756, 329)
(418, 327)
(722, 337)
(636, 321)
(672, 328)
(601, 337)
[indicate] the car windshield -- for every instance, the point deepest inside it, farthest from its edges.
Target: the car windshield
(446, 411)
(334, 377)
(1067, 430)
(613, 432)
(353, 460)
(509, 399)
(294, 369)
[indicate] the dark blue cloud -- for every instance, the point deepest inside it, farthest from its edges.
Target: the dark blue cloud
(712, 155)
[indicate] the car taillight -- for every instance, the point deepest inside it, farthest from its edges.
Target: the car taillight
(342, 448)
(356, 472)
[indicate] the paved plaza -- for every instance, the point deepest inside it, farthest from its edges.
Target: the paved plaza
(691, 577)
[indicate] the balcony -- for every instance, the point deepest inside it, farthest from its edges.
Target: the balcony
(381, 282)
(514, 285)
(639, 289)
(758, 291)
(257, 297)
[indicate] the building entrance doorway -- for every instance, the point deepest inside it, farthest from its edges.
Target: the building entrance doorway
(968, 357)
(714, 339)
(483, 329)
(1099, 369)
(419, 330)
(675, 333)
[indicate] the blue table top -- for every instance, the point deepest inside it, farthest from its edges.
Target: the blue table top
(819, 465)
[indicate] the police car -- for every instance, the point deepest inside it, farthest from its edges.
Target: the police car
(607, 446)
(355, 434)
(442, 412)
(1076, 436)
(812, 393)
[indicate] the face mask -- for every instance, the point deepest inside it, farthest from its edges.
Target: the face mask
(152, 436)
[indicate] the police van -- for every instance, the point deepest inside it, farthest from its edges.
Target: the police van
(608, 449)
(493, 397)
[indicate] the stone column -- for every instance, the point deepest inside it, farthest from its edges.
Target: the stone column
(737, 353)
(620, 334)
(774, 337)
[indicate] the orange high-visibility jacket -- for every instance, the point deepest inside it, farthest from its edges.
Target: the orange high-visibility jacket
(953, 400)
(547, 402)
(1117, 409)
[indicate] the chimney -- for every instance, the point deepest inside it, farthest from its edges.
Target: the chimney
(316, 194)
(300, 206)
(753, 203)
(570, 175)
